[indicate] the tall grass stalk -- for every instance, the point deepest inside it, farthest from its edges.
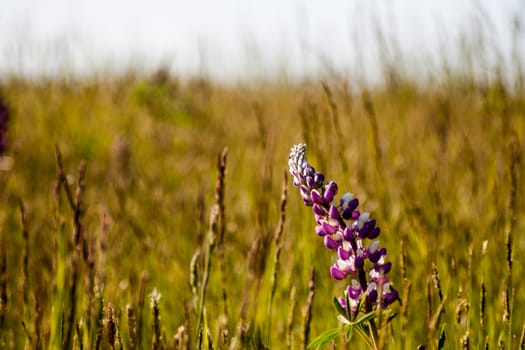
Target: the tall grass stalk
(157, 340)
(132, 326)
(307, 310)
(514, 163)
(291, 317)
(25, 254)
(277, 253)
(340, 145)
(214, 230)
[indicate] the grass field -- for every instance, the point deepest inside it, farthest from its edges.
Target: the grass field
(115, 234)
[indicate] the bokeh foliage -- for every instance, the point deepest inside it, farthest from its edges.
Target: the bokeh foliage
(439, 164)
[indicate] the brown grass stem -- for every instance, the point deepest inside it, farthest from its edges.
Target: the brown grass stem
(3, 288)
(371, 114)
(157, 341)
(307, 311)
(215, 234)
(290, 319)
(278, 247)
(131, 318)
(25, 252)
(340, 139)
(62, 180)
(140, 307)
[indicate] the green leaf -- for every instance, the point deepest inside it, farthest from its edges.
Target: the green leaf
(325, 338)
(349, 309)
(365, 318)
(339, 308)
(391, 317)
(349, 333)
(442, 336)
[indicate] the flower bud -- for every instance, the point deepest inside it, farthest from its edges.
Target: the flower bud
(329, 228)
(348, 234)
(333, 213)
(336, 273)
(316, 197)
(318, 210)
(320, 231)
(330, 243)
(343, 253)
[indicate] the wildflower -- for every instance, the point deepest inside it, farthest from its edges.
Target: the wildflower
(347, 231)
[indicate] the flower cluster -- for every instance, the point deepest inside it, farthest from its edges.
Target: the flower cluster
(345, 230)
(3, 127)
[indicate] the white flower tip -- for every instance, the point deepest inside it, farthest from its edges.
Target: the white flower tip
(297, 158)
(484, 247)
(373, 246)
(154, 297)
(347, 197)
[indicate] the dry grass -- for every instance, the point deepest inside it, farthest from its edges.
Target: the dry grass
(120, 211)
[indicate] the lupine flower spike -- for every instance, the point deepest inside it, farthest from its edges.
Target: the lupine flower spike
(351, 234)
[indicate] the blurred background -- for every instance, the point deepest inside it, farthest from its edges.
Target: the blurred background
(112, 117)
(231, 40)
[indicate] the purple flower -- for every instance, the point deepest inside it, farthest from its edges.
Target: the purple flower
(345, 230)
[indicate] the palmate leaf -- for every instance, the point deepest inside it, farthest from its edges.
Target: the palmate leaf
(325, 338)
(351, 324)
(358, 323)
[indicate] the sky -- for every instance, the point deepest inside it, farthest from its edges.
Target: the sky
(234, 40)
